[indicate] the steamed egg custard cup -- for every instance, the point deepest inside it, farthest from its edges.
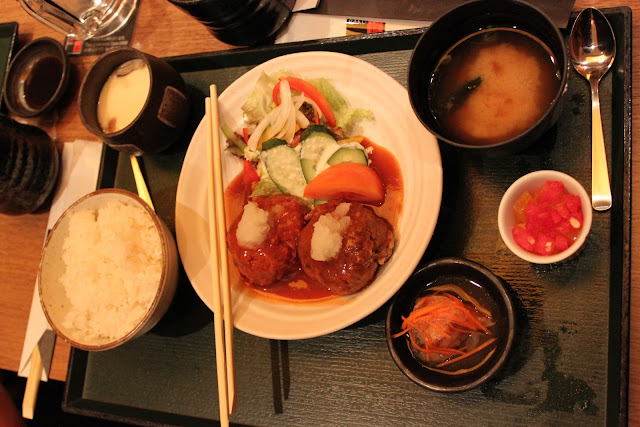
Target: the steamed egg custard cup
(482, 285)
(162, 114)
(531, 182)
(136, 103)
(53, 298)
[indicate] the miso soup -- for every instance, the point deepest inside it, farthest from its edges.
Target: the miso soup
(493, 85)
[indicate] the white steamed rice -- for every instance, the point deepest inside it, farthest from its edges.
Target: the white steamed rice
(113, 264)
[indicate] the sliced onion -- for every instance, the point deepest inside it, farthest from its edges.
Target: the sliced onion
(260, 128)
(281, 121)
(298, 101)
(286, 103)
(302, 120)
(290, 127)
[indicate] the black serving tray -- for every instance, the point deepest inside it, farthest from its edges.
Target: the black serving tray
(8, 35)
(569, 364)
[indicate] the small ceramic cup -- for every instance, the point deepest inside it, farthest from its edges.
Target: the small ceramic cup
(37, 79)
(531, 182)
(161, 118)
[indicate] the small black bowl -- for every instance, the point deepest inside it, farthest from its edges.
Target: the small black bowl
(37, 78)
(468, 19)
(484, 285)
(240, 23)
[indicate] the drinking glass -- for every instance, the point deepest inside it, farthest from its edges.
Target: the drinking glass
(81, 19)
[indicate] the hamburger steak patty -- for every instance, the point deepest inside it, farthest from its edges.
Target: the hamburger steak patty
(367, 242)
(275, 257)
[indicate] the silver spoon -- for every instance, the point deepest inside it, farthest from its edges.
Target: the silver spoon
(592, 46)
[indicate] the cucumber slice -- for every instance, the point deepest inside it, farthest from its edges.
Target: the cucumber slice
(273, 142)
(349, 151)
(311, 150)
(349, 155)
(311, 129)
(283, 166)
(308, 168)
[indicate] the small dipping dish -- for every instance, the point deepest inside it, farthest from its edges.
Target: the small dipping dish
(486, 289)
(101, 289)
(133, 101)
(474, 72)
(37, 78)
(530, 183)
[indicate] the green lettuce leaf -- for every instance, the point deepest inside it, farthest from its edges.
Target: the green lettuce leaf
(265, 187)
(346, 117)
(260, 102)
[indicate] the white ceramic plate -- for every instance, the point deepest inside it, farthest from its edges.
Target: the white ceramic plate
(395, 127)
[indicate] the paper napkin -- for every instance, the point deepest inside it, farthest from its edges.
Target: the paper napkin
(78, 176)
(310, 26)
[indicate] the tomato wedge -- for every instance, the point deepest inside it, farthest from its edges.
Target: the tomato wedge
(347, 181)
(309, 90)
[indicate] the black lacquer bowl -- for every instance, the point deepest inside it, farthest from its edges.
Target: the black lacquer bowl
(37, 78)
(468, 19)
(483, 285)
(240, 23)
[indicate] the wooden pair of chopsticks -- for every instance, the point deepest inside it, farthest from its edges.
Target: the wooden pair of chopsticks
(223, 322)
(33, 384)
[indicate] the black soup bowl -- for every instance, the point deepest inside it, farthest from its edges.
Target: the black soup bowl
(485, 288)
(457, 25)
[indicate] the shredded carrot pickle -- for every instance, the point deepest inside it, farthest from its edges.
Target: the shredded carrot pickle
(448, 331)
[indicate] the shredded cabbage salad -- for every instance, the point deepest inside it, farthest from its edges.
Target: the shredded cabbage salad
(278, 111)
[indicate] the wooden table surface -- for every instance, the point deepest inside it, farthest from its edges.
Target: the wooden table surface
(164, 30)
